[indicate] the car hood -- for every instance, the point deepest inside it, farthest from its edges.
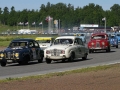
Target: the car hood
(59, 47)
(13, 49)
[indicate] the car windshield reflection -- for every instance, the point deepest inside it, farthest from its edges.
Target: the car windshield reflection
(63, 41)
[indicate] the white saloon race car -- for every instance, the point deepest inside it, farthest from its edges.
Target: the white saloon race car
(66, 47)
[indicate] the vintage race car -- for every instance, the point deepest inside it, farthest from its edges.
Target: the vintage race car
(113, 40)
(99, 41)
(21, 51)
(66, 48)
(44, 42)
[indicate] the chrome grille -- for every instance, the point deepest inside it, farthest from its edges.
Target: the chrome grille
(55, 52)
(9, 55)
(97, 44)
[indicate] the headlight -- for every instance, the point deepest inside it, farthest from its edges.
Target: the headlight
(92, 43)
(62, 52)
(103, 43)
(47, 52)
(16, 54)
(1, 55)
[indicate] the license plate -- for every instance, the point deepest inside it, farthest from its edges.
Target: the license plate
(9, 61)
(98, 48)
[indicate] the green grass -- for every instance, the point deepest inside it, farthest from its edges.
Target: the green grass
(83, 70)
(6, 39)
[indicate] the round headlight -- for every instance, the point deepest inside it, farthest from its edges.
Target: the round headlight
(47, 52)
(2, 55)
(103, 43)
(62, 51)
(16, 54)
(92, 43)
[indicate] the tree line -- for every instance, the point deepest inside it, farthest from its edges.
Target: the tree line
(68, 15)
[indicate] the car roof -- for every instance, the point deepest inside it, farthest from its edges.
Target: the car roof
(43, 38)
(99, 34)
(68, 37)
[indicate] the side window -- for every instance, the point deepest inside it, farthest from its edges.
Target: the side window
(31, 44)
(36, 44)
(76, 41)
(80, 41)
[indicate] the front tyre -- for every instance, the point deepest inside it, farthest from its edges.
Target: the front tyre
(116, 46)
(48, 61)
(71, 58)
(108, 49)
(3, 63)
(40, 60)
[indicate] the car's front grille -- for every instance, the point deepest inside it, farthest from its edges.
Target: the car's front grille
(9, 55)
(97, 44)
(55, 52)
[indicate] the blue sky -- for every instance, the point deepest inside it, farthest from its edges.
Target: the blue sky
(35, 4)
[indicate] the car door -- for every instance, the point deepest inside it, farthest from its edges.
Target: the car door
(78, 48)
(37, 50)
(81, 47)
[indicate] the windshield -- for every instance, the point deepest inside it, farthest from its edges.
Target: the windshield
(98, 37)
(112, 36)
(118, 35)
(18, 44)
(63, 41)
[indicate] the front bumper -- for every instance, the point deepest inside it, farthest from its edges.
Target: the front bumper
(56, 57)
(98, 48)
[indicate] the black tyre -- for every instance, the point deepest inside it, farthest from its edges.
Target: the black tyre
(116, 46)
(3, 63)
(90, 51)
(63, 60)
(85, 57)
(48, 61)
(71, 58)
(108, 50)
(40, 60)
(25, 60)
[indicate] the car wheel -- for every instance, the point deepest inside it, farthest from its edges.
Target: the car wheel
(48, 61)
(108, 50)
(40, 60)
(26, 59)
(63, 60)
(71, 58)
(116, 46)
(85, 57)
(3, 63)
(91, 51)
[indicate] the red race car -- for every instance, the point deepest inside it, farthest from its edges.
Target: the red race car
(99, 41)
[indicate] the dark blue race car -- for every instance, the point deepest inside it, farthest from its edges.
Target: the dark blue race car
(113, 41)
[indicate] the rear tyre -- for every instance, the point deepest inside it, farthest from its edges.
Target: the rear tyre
(85, 57)
(48, 61)
(40, 60)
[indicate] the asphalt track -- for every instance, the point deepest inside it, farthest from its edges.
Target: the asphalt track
(33, 68)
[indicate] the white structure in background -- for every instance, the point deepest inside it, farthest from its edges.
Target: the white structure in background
(27, 31)
(89, 25)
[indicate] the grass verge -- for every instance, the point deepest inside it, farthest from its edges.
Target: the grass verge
(82, 70)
